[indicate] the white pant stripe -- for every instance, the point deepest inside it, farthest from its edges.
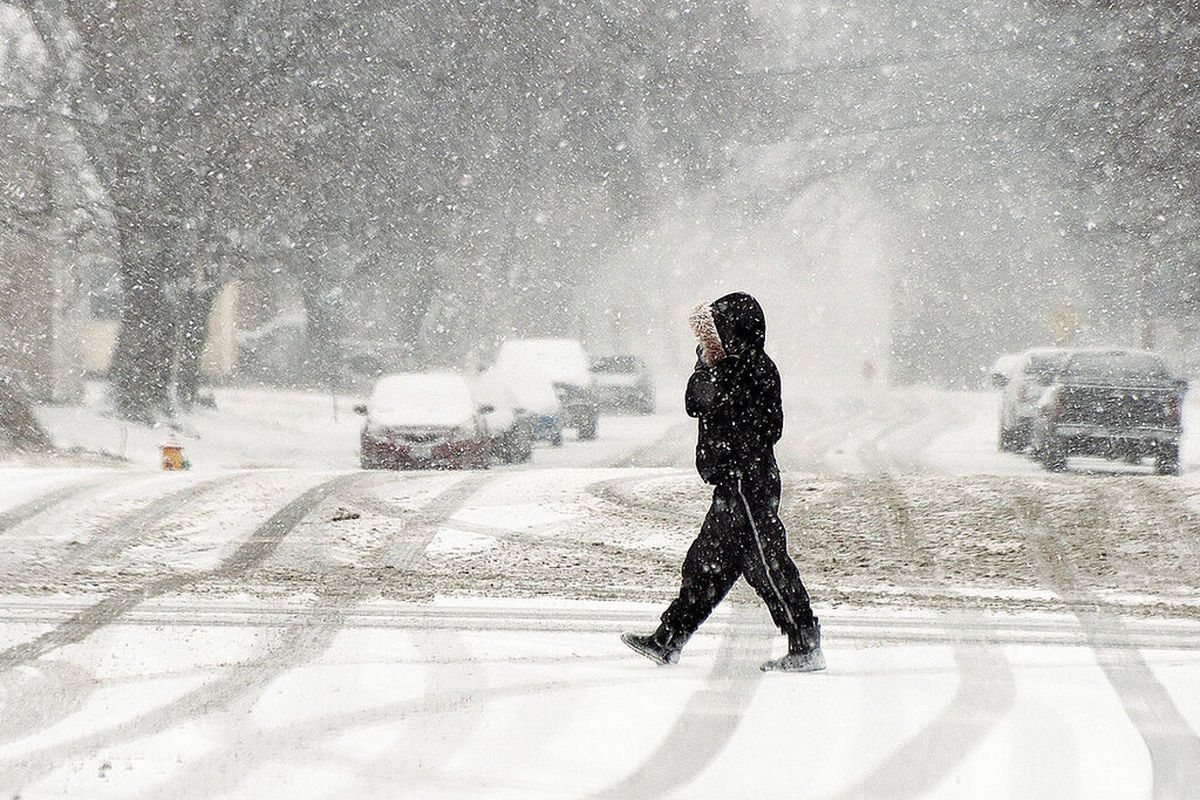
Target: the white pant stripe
(763, 555)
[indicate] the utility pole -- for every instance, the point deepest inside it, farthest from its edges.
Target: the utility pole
(1145, 294)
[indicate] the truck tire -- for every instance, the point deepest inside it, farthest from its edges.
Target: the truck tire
(1166, 460)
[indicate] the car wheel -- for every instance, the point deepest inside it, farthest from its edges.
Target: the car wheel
(523, 443)
(1008, 443)
(1054, 455)
(503, 450)
(1166, 460)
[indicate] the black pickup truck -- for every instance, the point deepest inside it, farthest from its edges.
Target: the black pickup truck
(1118, 404)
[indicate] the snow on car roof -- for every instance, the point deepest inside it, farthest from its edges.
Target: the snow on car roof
(1007, 363)
(530, 391)
(421, 398)
(556, 359)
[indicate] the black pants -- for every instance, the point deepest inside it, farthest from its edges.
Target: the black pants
(742, 535)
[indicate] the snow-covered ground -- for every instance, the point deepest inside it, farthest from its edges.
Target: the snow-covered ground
(276, 623)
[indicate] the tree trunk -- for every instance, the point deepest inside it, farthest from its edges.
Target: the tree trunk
(193, 333)
(19, 428)
(144, 357)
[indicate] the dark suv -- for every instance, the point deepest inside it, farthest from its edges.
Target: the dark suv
(1118, 404)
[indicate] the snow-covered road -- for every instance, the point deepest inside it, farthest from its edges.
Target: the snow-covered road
(276, 623)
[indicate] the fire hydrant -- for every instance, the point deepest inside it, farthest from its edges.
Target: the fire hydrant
(172, 455)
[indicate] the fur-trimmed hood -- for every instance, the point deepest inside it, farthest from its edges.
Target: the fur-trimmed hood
(705, 329)
(730, 325)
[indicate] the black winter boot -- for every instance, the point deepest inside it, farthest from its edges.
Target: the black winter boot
(662, 647)
(804, 652)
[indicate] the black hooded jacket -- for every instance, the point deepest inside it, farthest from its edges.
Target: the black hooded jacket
(737, 399)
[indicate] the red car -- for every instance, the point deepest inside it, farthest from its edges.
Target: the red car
(423, 420)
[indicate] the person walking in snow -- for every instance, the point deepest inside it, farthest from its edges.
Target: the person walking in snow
(735, 394)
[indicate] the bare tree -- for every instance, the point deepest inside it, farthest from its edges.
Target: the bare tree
(1130, 137)
(422, 174)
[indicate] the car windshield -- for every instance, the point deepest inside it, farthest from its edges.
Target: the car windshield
(1044, 365)
(1117, 367)
(616, 365)
(434, 400)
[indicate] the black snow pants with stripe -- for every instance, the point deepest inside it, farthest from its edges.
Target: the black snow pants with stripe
(742, 535)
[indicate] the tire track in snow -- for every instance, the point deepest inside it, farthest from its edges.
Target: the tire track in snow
(707, 722)
(128, 530)
(618, 492)
(865, 628)
(986, 687)
(863, 423)
(37, 696)
(985, 694)
(986, 683)
(262, 542)
(809, 449)
(304, 639)
(1182, 519)
(908, 415)
(83, 623)
(305, 738)
(440, 724)
(671, 449)
(303, 743)
(1173, 746)
(453, 667)
(15, 516)
(436, 750)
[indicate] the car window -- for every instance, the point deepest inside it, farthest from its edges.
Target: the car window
(1117, 367)
(616, 365)
(611, 365)
(1043, 366)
